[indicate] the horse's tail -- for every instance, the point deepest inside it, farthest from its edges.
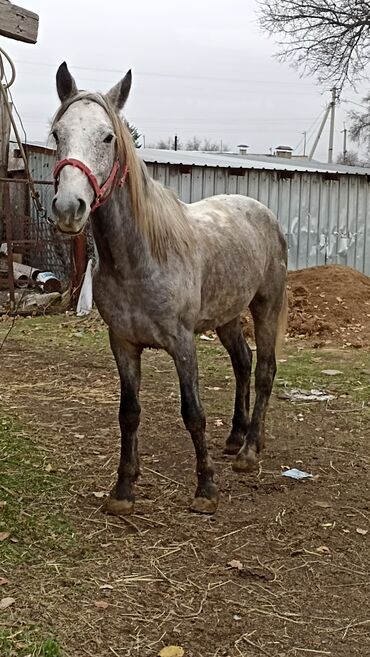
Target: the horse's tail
(281, 325)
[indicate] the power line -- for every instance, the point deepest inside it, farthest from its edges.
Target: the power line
(346, 100)
(310, 130)
(181, 76)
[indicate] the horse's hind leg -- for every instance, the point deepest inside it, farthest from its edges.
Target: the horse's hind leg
(265, 314)
(184, 355)
(232, 338)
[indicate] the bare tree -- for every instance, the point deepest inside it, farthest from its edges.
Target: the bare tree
(360, 124)
(193, 144)
(163, 144)
(210, 146)
(326, 38)
(350, 158)
(207, 145)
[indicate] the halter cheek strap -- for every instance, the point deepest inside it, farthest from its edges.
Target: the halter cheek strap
(101, 194)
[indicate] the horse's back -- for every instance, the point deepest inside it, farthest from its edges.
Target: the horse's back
(230, 209)
(241, 251)
(236, 226)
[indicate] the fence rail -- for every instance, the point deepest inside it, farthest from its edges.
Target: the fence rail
(33, 241)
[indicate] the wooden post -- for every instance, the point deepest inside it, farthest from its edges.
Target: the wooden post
(8, 223)
(18, 23)
(4, 152)
(22, 25)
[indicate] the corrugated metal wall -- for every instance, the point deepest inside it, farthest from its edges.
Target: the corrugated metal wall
(324, 216)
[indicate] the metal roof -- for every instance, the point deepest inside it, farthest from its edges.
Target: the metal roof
(251, 161)
(234, 160)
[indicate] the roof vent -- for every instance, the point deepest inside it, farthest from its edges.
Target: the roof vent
(243, 149)
(283, 151)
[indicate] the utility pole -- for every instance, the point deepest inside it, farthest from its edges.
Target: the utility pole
(332, 122)
(321, 128)
(304, 143)
(344, 131)
(329, 110)
(175, 144)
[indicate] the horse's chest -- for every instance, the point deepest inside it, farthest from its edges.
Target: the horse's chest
(127, 309)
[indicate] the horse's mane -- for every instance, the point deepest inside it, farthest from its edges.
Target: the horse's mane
(158, 213)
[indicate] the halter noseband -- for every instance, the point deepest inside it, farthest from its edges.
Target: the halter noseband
(103, 193)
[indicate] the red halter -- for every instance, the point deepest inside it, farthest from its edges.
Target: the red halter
(103, 193)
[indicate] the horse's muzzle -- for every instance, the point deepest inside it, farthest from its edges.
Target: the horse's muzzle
(70, 215)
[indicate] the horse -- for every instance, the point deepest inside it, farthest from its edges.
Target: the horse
(166, 271)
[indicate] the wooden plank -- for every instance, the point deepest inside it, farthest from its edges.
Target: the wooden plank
(4, 150)
(4, 137)
(18, 23)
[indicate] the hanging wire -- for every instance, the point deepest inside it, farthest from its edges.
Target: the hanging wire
(2, 70)
(3, 90)
(310, 130)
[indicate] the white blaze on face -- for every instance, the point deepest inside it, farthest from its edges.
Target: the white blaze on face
(83, 133)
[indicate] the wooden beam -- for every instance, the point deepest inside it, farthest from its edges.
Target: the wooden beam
(18, 23)
(4, 153)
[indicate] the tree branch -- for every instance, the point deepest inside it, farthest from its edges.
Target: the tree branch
(331, 41)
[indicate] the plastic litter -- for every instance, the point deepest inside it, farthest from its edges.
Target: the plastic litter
(331, 372)
(297, 394)
(85, 300)
(294, 473)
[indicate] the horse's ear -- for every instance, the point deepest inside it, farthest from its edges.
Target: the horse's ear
(66, 86)
(119, 93)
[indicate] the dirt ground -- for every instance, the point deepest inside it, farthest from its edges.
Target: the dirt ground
(328, 305)
(282, 569)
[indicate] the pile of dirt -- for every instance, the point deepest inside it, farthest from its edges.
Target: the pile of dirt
(330, 303)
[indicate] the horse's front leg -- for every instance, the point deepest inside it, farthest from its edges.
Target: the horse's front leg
(184, 355)
(121, 499)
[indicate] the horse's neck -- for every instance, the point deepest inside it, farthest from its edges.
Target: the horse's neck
(119, 245)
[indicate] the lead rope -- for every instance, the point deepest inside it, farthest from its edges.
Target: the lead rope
(3, 87)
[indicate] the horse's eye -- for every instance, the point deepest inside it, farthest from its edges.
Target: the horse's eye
(108, 139)
(55, 136)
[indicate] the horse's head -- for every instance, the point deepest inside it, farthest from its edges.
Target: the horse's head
(86, 150)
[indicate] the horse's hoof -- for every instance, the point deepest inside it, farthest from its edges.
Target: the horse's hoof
(234, 443)
(115, 507)
(246, 461)
(232, 448)
(204, 505)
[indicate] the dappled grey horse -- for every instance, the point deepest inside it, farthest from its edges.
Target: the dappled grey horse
(165, 271)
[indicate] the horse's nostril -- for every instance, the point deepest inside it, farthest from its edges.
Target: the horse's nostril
(54, 203)
(81, 207)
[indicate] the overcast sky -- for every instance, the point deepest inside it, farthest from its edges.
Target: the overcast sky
(200, 67)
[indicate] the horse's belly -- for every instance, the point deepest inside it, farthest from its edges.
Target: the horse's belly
(221, 310)
(226, 292)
